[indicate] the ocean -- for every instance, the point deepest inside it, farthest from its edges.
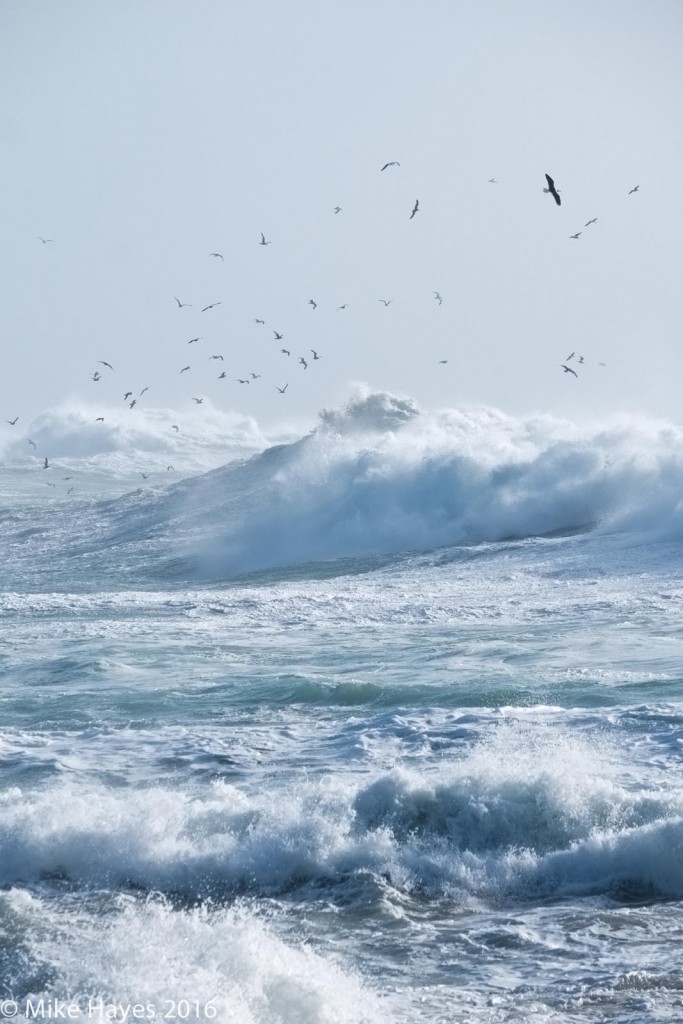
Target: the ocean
(378, 723)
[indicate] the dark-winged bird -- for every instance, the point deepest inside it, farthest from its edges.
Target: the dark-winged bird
(415, 209)
(281, 390)
(392, 163)
(552, 190)
(634, 189)
(568, 369)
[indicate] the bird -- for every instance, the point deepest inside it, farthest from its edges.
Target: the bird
(337, 209)
(254, 376)
(552, 190)
(175, 427)
(342, 307)
(127, 395)
(170, 469)
(282, 390)
(133, 403)
(634, 189)
(181, 304)
(105, 363)
(568, 369)
(45, 240)
(222, 376)
(69, 490)
(46, 464)
(143, 391)
(392, 163)
(493, 181)
(442, 361)
(312, 303)
(198, 400)
(438, 298)
(217, 255)
(303, 362)
(315, 354)
(211, 306)
(96, 375)
(387, 302)
(257, 321)
(581, 359)
(589, 222)
(184, 369)
(193, 340)
(278, 337)
(263, 240)
(415, 209)
(12, 422)
(216, 357)
(32, 443)
(145, 476)
(570, 357)
(285, 352)
(50, 484)
(100, 419)
(240, 381)
(577, 235)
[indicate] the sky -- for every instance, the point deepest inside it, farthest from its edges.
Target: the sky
(141, 136)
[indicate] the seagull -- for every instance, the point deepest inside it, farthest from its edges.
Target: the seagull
(51, 485)
(282, 390)
(181, 304)
(392, 163)
(143, 391)
(240, 381)
(12, 422)
(570, 357)
(47, 464)
(581, 359)
(254, 376)
(589, 222)
(100, 419)
(184, 368)
(45, 240)
(198, 400)
(32, 443)
(634, 189)
(493, 181)
(315, 354)
(337, 209)
(133, 403)
(438, 297)
(577, 235)
(216, 357)
(69, 490)
(222, 376)
(415, 209)
(96, 375)
(257, 321)
(303, 362)
(342, 307)
(175, 427)
(552, 190)
(217, 254)
(387, 302)
(263, 240)
(278, 337)
(312, 303)
(285, 352)
(441, 361)
(127, 395)
(193, 340)
(170, 469)
(211, 306)
(568, 369)
(104, 363)
(145, 476)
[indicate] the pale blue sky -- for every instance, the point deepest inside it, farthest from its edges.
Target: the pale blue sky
(143, 135)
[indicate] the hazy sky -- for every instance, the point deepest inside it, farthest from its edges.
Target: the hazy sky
(142, 135)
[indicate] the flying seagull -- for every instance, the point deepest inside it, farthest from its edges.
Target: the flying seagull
(254, 376)
(100, 419)
(217, 254)
(32, 443)
(392, 163)
(386, 302)
(315, 354)
(438, 298)
(47, 464)
(133, 403)
(415, 209)
(589, 222)
(285, 352)
(45, 240)
(222, 376)
(193, 340)
(278, 337)
(96, 375)
(257, 321)
(337, 209)
(552, 190)
(303, 362)
(240, 381)
(104, 363)
(634, 189)
(577, 235)
(184, 368)
(442, 361)
(312, 303)
(12, 422)
(211, 306)
(568, 369)
(175, 427)
(181, 304)
(127, 395)
(145, 476)
(198, 400)
(493, 181)
(216, 357)
(143, 391)
(570, 357)
(282, 390)
(263, 240)
(342, 307)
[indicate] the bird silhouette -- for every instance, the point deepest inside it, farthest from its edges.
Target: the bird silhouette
(175, 427)
(181, 304)
(104, 363)
(46, 464)
(438, 298)
(282, 390)
(127, 395)
(568, 369)
(45, 240)
(342, 307)
(285, 352)
(278, 337)
(257, 321)
(198, 400)
(415, 209)
(442, 361)
(315, 354)
(32, 443)
(263, 240)
(145, 476)
(392, 163)
(337, 209)
(577, 235)
(386, 302)
(132, 404)
(12, 422)
(96, 375)
(303, 362)
(222, 376)
(100, 419)
(216, 357)
(552, 190)
(312, 303)
(254, 376)
(634, 189)
(143, 391)
(241, 381)
(184, 369)
(211, 306)
(217, 255)
(193, 341)
(589, 222)
(493, 181)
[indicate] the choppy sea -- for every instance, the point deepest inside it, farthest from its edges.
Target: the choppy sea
(383, 723)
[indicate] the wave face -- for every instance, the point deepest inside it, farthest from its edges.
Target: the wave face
(375, 478)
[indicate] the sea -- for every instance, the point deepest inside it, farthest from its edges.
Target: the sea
(377, 723)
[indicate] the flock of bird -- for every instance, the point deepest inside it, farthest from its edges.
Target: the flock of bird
(132, 400)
